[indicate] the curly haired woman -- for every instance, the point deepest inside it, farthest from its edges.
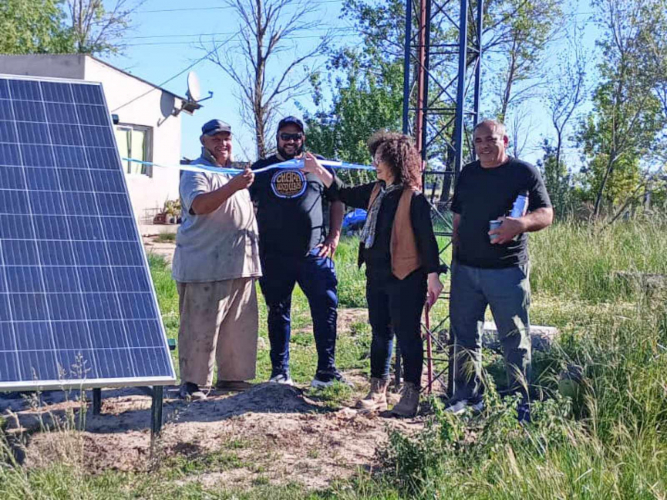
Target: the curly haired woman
(401, 256)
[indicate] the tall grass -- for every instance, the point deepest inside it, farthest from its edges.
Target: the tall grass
(579, 260)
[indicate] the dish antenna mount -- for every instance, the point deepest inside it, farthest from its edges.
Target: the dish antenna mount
(193, 94)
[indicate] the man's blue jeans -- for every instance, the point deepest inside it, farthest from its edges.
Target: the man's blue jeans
(507, 292)
(317, 278)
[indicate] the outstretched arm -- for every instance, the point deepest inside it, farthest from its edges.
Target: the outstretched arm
(353, 196)
(206, 203)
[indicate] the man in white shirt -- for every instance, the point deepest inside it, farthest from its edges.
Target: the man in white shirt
(215, 265)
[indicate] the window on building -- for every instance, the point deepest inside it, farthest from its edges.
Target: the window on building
(134, 141)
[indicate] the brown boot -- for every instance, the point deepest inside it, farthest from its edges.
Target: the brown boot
(409, 403)
(376, 400)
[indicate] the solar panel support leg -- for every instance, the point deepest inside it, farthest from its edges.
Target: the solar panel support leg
(97, 401)
(156, 410)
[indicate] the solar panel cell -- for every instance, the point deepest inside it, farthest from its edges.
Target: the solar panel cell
(10, 155)
(65, 134)
(17, 227)
(69, 157)
(32, 133)
(97, 137)
(76, 303)
(60, 113)
(75, 180)
(6, 112)
(7, 132)
(85, 228)
(57, 92)
(24, 279)
(4, 89)
(36, 155)
(108, 182)
(29, 111)
(13, 202)
(92, 115)
(102, 159)
(24, 90)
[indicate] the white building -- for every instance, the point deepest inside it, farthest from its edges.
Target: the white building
(148, 128)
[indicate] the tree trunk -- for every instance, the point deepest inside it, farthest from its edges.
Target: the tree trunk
(598, 198)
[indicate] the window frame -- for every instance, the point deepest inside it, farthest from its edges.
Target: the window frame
(146, 170)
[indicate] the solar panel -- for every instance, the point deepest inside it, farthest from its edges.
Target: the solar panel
(77, 304)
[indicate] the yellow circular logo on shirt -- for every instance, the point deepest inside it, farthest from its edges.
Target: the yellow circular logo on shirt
(288, 183)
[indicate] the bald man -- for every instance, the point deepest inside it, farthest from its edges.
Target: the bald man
(490, 264)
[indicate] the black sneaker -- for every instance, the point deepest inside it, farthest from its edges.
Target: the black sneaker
(459, 406)
(327, 379)
(523, 412)
(191, 392)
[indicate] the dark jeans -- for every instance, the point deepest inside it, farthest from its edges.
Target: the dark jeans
(507, 292)
(317, 278)
(395, 307)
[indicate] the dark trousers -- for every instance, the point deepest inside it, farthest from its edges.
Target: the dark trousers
(317, 278)
(395, 307)
(507, 292)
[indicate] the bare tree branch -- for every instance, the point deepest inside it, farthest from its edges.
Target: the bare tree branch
(266, 28)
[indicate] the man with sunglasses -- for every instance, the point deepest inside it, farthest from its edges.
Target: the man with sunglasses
(295, 247)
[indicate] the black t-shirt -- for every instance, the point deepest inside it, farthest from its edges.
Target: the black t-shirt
(290, 214)
(485, 194)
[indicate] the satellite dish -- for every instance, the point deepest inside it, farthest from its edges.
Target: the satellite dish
(194, 90)
(193, 95)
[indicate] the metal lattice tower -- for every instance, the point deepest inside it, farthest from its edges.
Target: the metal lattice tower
(441, 94)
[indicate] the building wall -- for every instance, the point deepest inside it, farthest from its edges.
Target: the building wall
(153, 110)
(54, 66)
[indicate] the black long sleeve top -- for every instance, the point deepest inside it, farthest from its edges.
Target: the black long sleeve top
(378, 257)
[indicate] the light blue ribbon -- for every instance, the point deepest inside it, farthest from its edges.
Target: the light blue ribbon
(289, 164)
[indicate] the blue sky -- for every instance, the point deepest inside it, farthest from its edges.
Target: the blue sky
(166, 39)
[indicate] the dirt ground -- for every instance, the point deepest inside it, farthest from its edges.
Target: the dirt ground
(164, 249)
(277, 432)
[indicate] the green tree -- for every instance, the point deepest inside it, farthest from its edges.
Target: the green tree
(33, 27)
(365, 102)
(621, 132)
(515, 36)
(64, 26)
(557, 179)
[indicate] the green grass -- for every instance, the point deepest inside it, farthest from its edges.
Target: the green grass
(612, 443)
(165, 237)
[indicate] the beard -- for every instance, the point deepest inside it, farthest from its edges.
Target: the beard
(297, 151)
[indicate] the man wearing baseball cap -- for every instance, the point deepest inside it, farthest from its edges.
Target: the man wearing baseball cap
(295, 247)
(215, 265)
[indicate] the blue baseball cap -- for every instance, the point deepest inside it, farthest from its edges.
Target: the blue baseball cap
(290, 120)
(213, 127)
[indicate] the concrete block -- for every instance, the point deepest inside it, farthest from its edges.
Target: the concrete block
(541, 337)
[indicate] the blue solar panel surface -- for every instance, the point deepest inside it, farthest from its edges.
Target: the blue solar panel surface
(77, 306)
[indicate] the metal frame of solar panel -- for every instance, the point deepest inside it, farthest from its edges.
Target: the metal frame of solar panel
(77, 304)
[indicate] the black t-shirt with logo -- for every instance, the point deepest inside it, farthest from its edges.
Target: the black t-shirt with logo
(485, 194)
(290, 212)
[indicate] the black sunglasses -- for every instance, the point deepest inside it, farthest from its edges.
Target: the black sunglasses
(291, 137)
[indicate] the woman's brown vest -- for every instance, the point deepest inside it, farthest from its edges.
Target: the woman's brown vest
(403, 247)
